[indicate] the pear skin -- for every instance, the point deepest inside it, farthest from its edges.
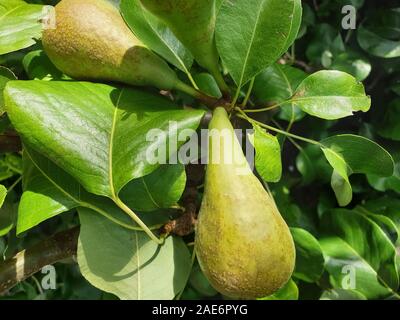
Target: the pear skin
(92, 42)
(193, 23)
(243, 245)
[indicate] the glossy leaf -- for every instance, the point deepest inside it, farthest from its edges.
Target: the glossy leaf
(277, 84)
(155, 34)
(127, 263)
(3, 194)
(360, 240)
(161, 189)
(347, 154)
(268, 155)
(19, 27)
(103, 140)
(38, 66)
(252, 35)
(5, 76)
(331, 95)
(207, 84)
(50, 191)
(309, 257)
(377, 45)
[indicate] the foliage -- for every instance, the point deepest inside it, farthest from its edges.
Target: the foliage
(323, 102)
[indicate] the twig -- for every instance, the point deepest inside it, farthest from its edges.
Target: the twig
(27, 262)
(185, 224)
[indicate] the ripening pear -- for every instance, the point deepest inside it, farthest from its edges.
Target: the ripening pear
(91, 41)
(243, 245)
(193, 23)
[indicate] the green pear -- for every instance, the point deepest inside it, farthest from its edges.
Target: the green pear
(91, 41)
(193, 23)
(243, 245)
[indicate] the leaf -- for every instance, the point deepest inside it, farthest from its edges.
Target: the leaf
(161, 189)
(7, 218)
(389, 127)
(19, 27)
(155, 34)
(387, 183)
(288, 292)
(347, 154)
(50, 191)
(309, 257)
(5, 76)
(295, 25)
(3, 194)
(99, 134)
(377, 45)
(268, 155)
(277, 84)
(127, 263)
(252, 34)
(207, 84)
(38, 66)
(361, 244)
(386, 206)
(352, 63)
(312, 165)
(341, 294)
(331, 95)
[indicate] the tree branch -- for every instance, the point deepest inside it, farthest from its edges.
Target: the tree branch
(27, 262)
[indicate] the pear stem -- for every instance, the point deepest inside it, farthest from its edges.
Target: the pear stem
(226, 91)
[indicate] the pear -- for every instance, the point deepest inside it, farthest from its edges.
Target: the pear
(193, 23)
(91, 41)
(243, 245)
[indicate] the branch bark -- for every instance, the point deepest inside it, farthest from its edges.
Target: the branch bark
(27, 262)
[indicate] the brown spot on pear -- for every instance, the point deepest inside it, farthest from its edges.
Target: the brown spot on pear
(243, 245)
(92, 42)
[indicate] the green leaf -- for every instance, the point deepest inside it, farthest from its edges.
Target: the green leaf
(207, 84)
(288, 292)
(361, 244)
(38, 66)
(341, 294)
(155, 34)
(5, 76)
(277, 84)
(309, 257)
(268, 155)
(348, 270)
(389, 207)
(19, 27)
(50, 191)
(348, 154)
(127, 263)
(97, 133)
(352, 63)
(161, 189)
(389, 127)
(312, 165)
(377, 45)
(3, 194)
(7, 217)
(331, 95)
(252, 35)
